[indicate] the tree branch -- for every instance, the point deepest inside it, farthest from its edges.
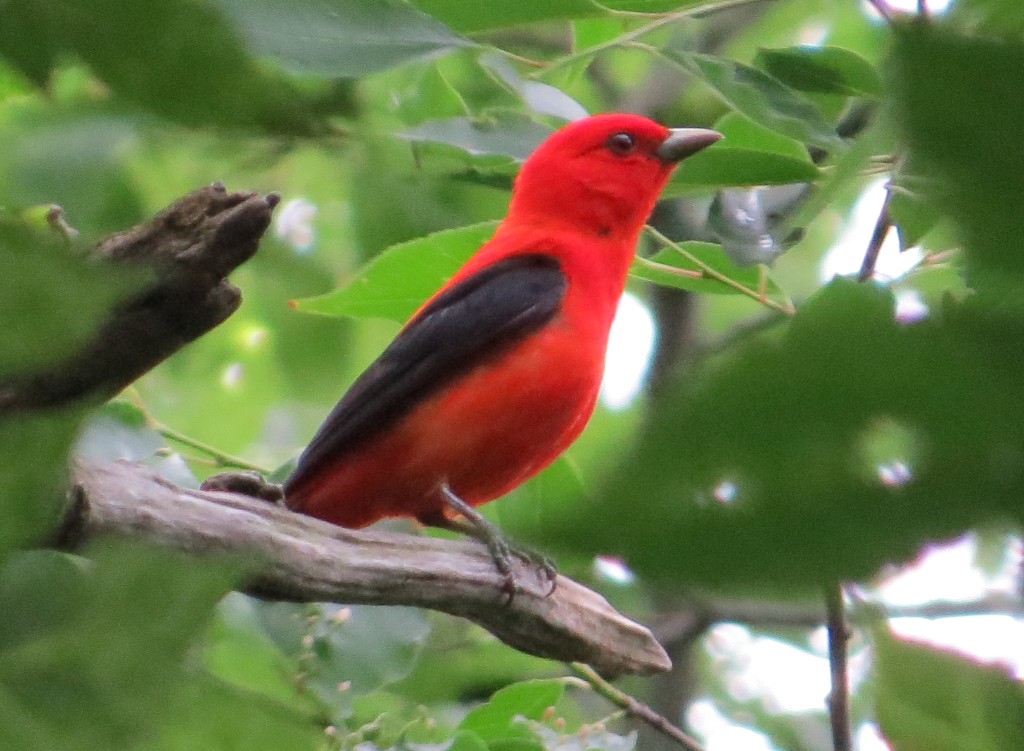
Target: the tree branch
(302, 559)
(191, 247)
(838, 643)
(878, 235)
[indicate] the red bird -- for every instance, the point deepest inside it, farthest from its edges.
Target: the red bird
(498, 372)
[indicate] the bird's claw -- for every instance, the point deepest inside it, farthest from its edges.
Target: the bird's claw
(501, 552)
(540, 564)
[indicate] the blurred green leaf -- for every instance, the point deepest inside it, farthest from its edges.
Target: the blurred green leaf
(33, 474)
(39, 321)
(515, 136)
(491, 14)
(75, 160)
(496, 721)
(466, 741)
(403, 277)
(239, 652)
(973, 87)
(995, 17)
(339, 37)
(179, 59)
(560, 483)
(449, 666)
(345, 651)
(928, 699)
(784, 422)
(102, 664)
(216, 715)
(762, 98)
(829, 70)
(590, 32)
(742, 132)
(724, 167)
(540, 97)
(297, 346)
(842, 172)
(912, 216)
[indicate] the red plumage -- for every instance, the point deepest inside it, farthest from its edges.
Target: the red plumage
(499, 371)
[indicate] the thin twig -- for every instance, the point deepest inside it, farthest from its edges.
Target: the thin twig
(713, 273)
(634, 708)
(839, 696)
(218, 457)
(882, 227)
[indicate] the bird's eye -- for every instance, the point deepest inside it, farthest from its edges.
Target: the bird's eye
(621, 144)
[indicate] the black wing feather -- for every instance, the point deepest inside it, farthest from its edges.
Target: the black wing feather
(468, 324)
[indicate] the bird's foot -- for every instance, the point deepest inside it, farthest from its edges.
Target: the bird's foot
(245, 483)
(502, 553)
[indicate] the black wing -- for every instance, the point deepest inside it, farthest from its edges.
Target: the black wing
(468, 324)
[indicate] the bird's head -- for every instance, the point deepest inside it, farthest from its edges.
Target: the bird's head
(603, 174)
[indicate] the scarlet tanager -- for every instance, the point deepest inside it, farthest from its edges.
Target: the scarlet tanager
(498, 372)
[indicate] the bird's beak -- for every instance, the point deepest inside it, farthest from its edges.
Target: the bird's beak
(684, 142)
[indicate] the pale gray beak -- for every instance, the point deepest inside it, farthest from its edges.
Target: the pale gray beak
(684, 142)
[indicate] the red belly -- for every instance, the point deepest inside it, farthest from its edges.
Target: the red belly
(483, 435)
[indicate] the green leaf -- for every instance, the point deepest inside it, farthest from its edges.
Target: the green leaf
(496, 720)
(179, 59)
(590, 32)
(912, 216)
(514, 136)
(466, 741)
(726, 167)
(215, 715)
(240, 653)
(33, 474)
(42, 323)
(403, 277)
(991, 17)
(344, 652)
(761, 97)
(929, 699)
(75, 160)
(491, 14)
(829, 70)
(339, 38)
(788, 418)
(975, 160)
(92, 657)
(742, 132)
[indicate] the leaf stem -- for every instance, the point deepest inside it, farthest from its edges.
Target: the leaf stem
(712, 273)
(220, 459)
(655, 266)
(634, 707)
(657, 23)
